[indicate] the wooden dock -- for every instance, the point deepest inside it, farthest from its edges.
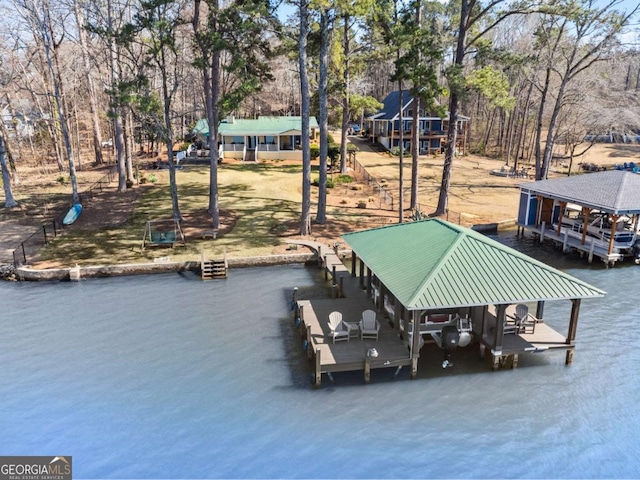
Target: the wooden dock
(350, 296)
(569, 240)
(350, 300)
(541, 339)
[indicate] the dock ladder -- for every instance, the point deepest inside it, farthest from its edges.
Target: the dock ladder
(211, 269)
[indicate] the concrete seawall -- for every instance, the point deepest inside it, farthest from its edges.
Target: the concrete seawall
(80, 272)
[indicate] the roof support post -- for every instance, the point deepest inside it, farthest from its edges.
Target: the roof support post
(573, 326)
(586, 211)
(540, 309)
(383, 292)
(361, 274)
(563, 205)
(354, 259)
(614, 227)
(500, 319)
(539, 209)
(368, 282)
(415, 342)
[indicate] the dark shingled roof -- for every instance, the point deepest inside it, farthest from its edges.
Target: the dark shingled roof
(612, 191)
(391, 105)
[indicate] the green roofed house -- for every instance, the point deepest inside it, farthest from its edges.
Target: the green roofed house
(438, 278)
(263, 138)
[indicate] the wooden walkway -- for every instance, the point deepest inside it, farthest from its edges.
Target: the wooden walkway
(352, 355)
(569, 240)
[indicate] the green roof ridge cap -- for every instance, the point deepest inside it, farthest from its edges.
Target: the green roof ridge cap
(439, 265)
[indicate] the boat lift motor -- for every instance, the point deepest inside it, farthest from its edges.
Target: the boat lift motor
(450, 339)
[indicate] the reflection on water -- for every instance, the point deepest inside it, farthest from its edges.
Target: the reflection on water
(167, 376)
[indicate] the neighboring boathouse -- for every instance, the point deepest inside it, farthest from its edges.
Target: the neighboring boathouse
(596, 214)
(455, 286)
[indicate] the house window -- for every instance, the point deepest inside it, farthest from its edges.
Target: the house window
(267, 140)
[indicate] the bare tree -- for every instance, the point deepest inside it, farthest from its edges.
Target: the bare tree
(9, 201)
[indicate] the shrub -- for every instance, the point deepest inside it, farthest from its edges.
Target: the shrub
(316, 183)
(344, 179)
(362, 204)
(61, 180)
(315, 152)
(152, 178)
(129, 183)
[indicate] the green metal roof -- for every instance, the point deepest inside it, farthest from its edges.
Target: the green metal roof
(259, 126)
(435, 264)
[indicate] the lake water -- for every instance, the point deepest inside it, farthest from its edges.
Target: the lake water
(170, 377)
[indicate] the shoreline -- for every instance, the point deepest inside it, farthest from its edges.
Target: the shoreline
(25, 273)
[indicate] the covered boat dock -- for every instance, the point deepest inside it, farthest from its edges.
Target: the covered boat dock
(595, 214)
(445, 282)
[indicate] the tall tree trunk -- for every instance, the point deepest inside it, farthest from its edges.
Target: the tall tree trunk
(116, 110)
(51, 56)
(538, 139)
(415, 126)
(400, 154)
(305, 217)
(93, 102)
(415, 150)
(452, 131)
(214, 206)
(345, 96)
(321, 215)
(9, 201)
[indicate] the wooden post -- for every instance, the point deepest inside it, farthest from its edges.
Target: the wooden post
(613, 232)
(500, 318)
(333, 274)
(309, 343)
(495, 362)
(368, 282)
(542, 227)
(415, 343)
(573, 327)
(381, 297)
(566, 240)
(585, 223)
(539, 209)
(591, 248)
(326, 270)
(354, 258)
(341, 290)
(540, 309)
(562, 207)
(318, 372)
(367, 368)
(361, 274)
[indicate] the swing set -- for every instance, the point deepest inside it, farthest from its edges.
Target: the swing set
(162, 232)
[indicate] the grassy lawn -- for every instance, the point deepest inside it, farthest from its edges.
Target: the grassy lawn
(265, 199)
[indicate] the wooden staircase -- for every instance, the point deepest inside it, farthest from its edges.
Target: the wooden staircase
(211, 269)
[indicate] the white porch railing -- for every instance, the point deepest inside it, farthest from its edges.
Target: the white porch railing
(234, 147)
(268, 147)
